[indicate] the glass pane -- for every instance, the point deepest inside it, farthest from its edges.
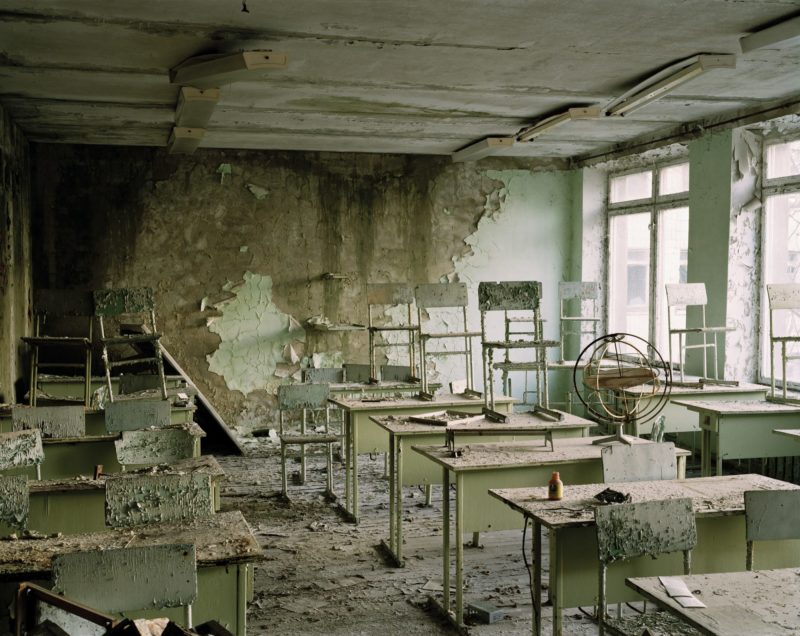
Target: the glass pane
(630, 187)
(782, 265)
(673, 250)
(783, 160)
(629, 272)
(673, 179)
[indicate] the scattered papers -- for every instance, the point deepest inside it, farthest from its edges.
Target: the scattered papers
(678, 592)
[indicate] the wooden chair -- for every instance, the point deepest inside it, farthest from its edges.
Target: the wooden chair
(783, 298)
(522, 298)
(692, 295)
(578, 324)
(651, 528)
(639, 462)
(389, 295)
(304, 398)
(61, 304)
(118, 580)
(119, 304)
(770, 515)
(444, 296)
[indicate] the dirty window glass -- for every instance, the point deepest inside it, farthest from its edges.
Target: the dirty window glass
(673, 179)
(673, 254)
(630, 187)
(783, 160)
(629, 269)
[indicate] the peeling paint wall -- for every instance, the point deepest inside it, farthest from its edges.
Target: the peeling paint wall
(236, 242)
(15, 254)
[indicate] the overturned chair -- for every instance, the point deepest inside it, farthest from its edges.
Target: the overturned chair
(304, 399)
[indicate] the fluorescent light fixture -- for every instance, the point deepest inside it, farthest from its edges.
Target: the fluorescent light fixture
(781, 35)
(184, 141)
(195, 106)
(482, 148)
(531, 132)
(656, 87)
(210, 71)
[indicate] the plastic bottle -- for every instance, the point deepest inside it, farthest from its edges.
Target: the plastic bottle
(555, 488)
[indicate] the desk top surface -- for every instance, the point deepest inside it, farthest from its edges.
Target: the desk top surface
(402, 425)
(711, 496)
(705, 389)
(205, 464)
(191, 428)
(411, 401)
(520, 454)
(222, 538)
(737, 407)
(762, 602)
(367, 387)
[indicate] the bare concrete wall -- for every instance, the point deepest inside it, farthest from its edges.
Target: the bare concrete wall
(15, 256)
(235, 244)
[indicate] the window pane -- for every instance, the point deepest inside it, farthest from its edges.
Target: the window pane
(674, 179)
(673, 250)
(782, 265)
(783, 160)
(629, 285)
(630, 187)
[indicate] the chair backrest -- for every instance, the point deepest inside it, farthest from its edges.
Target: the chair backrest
(578, 290)
(136, 382)
(770, 515)
(625, 531)
(303, 396)
(686, 294)
(14, 501)
(21, 448)
(63, 302)
(639, 462)
(51, 421)
(131, 415)
(326, 375)
(784, 296)
(509, 295)
(389, 294)
(128, 579)
(396, 373)
(158, 446)
(433, 295)
(114, 302)
(133, 500)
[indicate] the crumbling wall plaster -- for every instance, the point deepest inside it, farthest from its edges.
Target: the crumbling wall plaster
(194, 227)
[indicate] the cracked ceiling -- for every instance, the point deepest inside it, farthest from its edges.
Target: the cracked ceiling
(388, 77)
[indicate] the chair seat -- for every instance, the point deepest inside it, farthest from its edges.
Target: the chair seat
(309, 439)
(656, 623)
(57, 340)
(702, 330)
(135, 337)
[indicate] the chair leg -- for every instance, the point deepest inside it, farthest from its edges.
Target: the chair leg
(601, 599)
(87, 397)
(34, 374)
(329, 484)
(284, 480)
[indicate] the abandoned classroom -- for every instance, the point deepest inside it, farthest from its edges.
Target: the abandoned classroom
(401, 317)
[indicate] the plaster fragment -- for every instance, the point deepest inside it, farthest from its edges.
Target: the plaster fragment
(224, 170)
(253, 334)
(243, 248)
(257, 191)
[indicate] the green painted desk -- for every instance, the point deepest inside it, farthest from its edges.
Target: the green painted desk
(790, 433)
(53, 503)
(67, 387)
(65, 458)
(676, 418)
(412, 469)
(505, 465)
(363, 389)
(741, 430)
(362, 435)
(226, 550)
(762, 602)
(719, 508)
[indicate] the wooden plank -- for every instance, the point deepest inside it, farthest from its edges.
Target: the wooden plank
(578, 290)
(160, 446)
(772, 515)
(639, 462)
(303, 396)
(113, 302)
(389, 294)
(140, 499)
(684, 294)
(509, 295)
(20, 448)
(14, 500)
(784, 296)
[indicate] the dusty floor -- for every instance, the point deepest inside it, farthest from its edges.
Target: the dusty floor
(324, 576)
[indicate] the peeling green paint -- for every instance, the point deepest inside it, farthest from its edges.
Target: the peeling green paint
(253, 332)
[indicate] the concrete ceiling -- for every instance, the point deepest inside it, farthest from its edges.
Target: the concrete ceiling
(407, 76)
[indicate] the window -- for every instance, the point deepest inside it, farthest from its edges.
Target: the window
(648, 246)
(781, 241)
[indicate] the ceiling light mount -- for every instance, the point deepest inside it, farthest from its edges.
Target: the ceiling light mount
(778, 36)
(584, 112)
(483, 148)
(212, 71)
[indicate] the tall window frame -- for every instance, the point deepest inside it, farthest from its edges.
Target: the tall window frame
(662, 200)
(780, 194)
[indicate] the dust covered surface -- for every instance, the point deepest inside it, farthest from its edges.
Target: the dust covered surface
(322, 575)
(442, 400)
(20, 448)
(52, 421)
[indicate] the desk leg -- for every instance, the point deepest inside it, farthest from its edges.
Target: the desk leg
(398, 500)
(459, 549)
(354, 472)
(705, 453)
(557, 584)
(718, 455)
(537, 578)
(681, 467)
(348, 458)
(392, 500)
(446, 540)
